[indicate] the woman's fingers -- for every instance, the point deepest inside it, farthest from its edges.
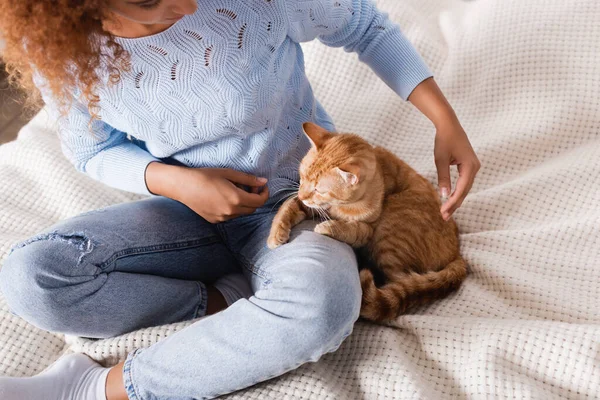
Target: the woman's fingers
(243, 178)
(252, 200)
(465, 181)
(443, 169)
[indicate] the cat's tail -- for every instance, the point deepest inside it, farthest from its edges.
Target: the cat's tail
(405, 290)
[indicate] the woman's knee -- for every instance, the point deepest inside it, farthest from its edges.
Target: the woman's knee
(325, 277)
(339, 294)
(34, 281)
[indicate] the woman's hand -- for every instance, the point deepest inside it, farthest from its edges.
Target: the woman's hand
(210, 192)
(452, 147)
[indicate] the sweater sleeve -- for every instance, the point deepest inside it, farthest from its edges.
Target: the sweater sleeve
(358, 26)
(98, 150)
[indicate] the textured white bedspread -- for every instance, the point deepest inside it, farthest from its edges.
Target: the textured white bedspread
(524, 79)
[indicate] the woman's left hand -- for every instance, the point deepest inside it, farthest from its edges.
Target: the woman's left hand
(452, 147)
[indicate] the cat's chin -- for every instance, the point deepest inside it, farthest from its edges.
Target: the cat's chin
(324, 207)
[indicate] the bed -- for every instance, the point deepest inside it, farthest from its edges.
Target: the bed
(524, 80)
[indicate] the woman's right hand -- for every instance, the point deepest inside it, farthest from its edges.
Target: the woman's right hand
(210, 192)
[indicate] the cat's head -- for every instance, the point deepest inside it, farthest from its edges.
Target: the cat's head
(336, 170)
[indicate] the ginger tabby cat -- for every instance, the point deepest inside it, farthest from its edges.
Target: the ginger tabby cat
(376, 203)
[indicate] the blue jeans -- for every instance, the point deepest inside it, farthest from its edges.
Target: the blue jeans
(146, 263)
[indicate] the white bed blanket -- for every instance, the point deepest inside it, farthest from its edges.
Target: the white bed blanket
(524, 79)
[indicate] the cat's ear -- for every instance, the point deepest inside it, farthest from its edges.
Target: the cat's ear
(350, 173)
(315, 133)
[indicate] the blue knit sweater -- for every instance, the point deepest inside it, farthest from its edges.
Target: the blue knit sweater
(226, 87)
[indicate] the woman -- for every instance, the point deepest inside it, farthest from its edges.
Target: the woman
(199, 105)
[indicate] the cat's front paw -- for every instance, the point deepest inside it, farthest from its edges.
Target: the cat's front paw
(326, 228)
(277, 237)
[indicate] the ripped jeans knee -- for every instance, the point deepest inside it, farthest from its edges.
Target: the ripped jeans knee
(83, 243)
(38, 274)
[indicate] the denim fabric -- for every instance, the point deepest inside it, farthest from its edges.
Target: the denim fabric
(146, 263)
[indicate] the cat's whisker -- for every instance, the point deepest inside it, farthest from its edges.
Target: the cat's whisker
(326, 217)
(284, 189)
(333, 226)
(283, 199)
(318, 210)
(323, 214)
(293, 183)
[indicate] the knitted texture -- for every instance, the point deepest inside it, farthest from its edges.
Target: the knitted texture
(226, 88)
(523, 79)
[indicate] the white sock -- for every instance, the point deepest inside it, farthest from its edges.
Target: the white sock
(71, 377)
(234, 287)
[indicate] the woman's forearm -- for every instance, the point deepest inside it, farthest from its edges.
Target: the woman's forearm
(429, 99)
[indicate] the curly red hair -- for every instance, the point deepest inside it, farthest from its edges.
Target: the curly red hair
(62, 41)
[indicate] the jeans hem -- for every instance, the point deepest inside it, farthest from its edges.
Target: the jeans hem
(128, 378)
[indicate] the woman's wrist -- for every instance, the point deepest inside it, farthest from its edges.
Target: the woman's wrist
(161, 179)
(429, 99)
